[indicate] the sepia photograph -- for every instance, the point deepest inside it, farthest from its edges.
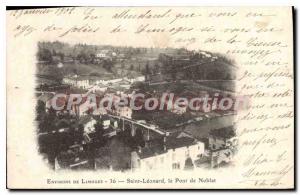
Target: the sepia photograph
(147, 98)
(169, 109)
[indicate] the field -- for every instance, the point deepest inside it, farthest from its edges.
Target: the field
(69, 68)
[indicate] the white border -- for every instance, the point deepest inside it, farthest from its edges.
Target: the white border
(110, 3)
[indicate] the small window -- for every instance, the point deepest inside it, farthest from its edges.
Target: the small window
(175, 166)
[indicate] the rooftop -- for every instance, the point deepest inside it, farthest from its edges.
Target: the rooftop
(85, 119)
(225, 132)
(45, 97)
(147, 152)
(157, 147)
(174, 143)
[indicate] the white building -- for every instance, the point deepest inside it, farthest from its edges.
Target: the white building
(104, 53)
(222, 145)
(88, 123)
(108, 81)
(70, 80)
(124, 111)
(176, 154)
(98, 87)
(86, 82)
(82, 82)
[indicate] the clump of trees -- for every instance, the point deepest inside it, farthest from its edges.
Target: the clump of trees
(44, 55)
(51, 141)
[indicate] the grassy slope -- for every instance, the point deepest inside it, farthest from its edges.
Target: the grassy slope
(82, 69)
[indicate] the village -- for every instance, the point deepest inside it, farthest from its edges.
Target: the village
(123, 139)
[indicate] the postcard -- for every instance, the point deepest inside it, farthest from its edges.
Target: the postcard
(150, 98)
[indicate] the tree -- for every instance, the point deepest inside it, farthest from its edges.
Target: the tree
(157, 68)
(107, 64)
(62, 124)
(40, 110)
(131, 67)
(100, 141)
(188, 164)
(47, 122)
(65, 158)
(92, 58)
(126, 136)
(82, 57)
(44, 55)
(62, 56)
(147, 69)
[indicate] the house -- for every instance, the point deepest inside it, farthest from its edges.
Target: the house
(88, 81)
(222, 145)
(83, 82)
(222, 138)
(105, 121)
(80, 81)
(221, 156)
(123, 83)
(175, 153)
(98, 87)
(104, 53)
(109, 127)
(124, 111)
(136, 79)
(179, 109)
(88, 123)
(70, 80)
(46, 99)
(86, 107)
(107, 81)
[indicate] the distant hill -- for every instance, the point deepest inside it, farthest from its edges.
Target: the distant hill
(58, 59)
